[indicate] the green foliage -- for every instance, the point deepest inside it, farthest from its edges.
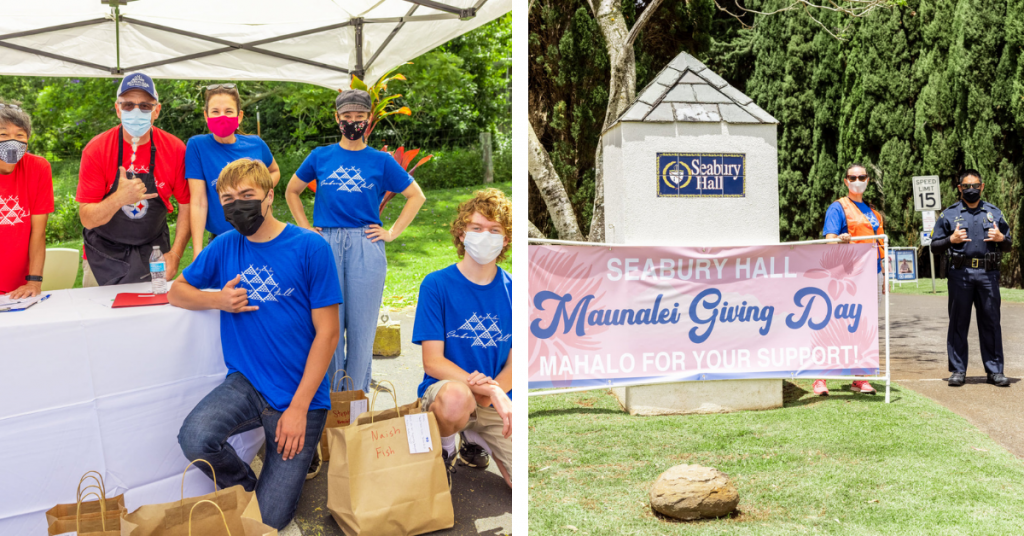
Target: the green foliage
(463, 167)
(927, 88)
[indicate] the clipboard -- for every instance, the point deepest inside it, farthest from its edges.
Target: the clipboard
(16, 308)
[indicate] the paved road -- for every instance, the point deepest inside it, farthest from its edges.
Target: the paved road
(482, 501)
(918, 352)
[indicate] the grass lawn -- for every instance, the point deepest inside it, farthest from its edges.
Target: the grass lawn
(424, 247)
(845, 464)
(924, 286)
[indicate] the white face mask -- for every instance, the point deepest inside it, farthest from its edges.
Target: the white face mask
(483, 247)
(858, 187)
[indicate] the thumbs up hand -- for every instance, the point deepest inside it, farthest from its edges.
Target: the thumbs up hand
(235, 300)
(959, 235)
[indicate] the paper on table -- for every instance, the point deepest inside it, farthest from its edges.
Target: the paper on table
(418, 431)
(8, 303)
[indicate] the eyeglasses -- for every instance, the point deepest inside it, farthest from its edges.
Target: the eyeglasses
(860, 178)
(970, 184)
(11, 106)
(128, 106)
(212, 87)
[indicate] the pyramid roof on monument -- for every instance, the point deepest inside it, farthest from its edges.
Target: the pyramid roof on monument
(687, 91)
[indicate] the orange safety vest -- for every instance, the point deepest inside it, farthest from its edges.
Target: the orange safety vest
(859, 225)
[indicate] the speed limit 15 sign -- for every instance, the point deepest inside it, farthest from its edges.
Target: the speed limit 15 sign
(926, 193)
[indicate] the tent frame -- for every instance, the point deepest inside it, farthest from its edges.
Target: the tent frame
(450, 12)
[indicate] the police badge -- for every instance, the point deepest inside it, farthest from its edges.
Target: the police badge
(990, 218)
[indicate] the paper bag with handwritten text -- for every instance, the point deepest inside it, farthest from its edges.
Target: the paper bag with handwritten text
(340, 414)
(376, 484)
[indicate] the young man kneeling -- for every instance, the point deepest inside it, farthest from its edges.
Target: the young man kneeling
(279, 327)
(464, 323)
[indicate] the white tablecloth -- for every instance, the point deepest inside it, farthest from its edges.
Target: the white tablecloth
(85, 387)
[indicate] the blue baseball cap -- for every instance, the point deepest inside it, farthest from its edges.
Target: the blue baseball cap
(138, 81)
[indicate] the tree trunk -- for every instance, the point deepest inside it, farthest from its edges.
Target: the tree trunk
(533, 230)
(552, 190)
(621, 91)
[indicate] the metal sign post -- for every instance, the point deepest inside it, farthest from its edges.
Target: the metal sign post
(927, 199)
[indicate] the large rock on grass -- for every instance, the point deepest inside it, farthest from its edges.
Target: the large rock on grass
(693, 492)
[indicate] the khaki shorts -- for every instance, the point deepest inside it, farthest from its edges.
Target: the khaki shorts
(484, 421)
(87, 278)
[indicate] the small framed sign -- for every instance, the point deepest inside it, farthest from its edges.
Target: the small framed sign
(702, 175)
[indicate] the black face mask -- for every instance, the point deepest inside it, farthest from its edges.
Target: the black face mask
(353, 130)
(245, 215)
(971, 195)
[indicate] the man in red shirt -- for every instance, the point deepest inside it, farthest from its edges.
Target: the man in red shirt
(26, 198)
(125, 184)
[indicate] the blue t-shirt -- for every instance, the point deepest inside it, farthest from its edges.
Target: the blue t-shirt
(351, 184)
(474, 321)
(205, 158)
(287, 278)
(835, 221)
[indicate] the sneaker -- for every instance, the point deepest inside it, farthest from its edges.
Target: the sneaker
(314, 466)
(449, 465)
(861, 386)
(820, 388)
(472, 455)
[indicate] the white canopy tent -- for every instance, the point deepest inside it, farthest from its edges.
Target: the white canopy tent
(320, 42)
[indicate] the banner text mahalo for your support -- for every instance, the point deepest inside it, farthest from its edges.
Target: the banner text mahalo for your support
(628, 314)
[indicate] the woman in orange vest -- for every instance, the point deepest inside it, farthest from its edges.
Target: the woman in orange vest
(847, 219)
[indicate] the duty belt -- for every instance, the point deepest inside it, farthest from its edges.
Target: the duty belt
(989, 262)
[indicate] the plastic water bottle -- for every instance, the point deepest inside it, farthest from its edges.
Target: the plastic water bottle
(157, 271)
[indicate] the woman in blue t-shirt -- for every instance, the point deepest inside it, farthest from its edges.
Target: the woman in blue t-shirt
(352, 179)
(207, 154)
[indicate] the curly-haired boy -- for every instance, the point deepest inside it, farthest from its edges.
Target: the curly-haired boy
(464, 323)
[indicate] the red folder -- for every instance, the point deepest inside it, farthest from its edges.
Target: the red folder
(138, 300)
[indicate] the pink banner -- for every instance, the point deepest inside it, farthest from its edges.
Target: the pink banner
(600, 314)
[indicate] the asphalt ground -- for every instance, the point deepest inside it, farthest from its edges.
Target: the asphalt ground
(480, 498)
(918, 325)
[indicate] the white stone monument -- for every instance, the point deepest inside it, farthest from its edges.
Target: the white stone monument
(690, 116)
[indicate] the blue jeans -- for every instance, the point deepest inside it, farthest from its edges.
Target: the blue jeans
(234, 407)
(362, 268)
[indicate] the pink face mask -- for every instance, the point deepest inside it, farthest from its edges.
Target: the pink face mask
(222, 126)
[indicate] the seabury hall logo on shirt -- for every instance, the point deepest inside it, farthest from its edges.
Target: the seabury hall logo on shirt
(483, 330)
(347, 180)
(261, 284)
(11, 212)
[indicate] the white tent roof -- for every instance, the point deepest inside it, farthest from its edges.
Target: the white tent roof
(321, 42)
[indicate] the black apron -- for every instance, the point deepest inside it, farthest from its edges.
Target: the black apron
(118, 252)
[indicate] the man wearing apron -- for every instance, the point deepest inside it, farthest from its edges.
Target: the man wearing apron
(124, 191)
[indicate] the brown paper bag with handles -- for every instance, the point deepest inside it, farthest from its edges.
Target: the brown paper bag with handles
(376, 486)
(339, 415)
(238, 510)
(108, 510)
(100, 524)
(250, 527)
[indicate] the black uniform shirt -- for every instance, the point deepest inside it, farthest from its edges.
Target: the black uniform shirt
(977, 222)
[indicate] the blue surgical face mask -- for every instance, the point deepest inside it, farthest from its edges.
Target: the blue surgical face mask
(136, 122)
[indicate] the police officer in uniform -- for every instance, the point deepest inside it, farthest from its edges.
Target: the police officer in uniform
(975, 234)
